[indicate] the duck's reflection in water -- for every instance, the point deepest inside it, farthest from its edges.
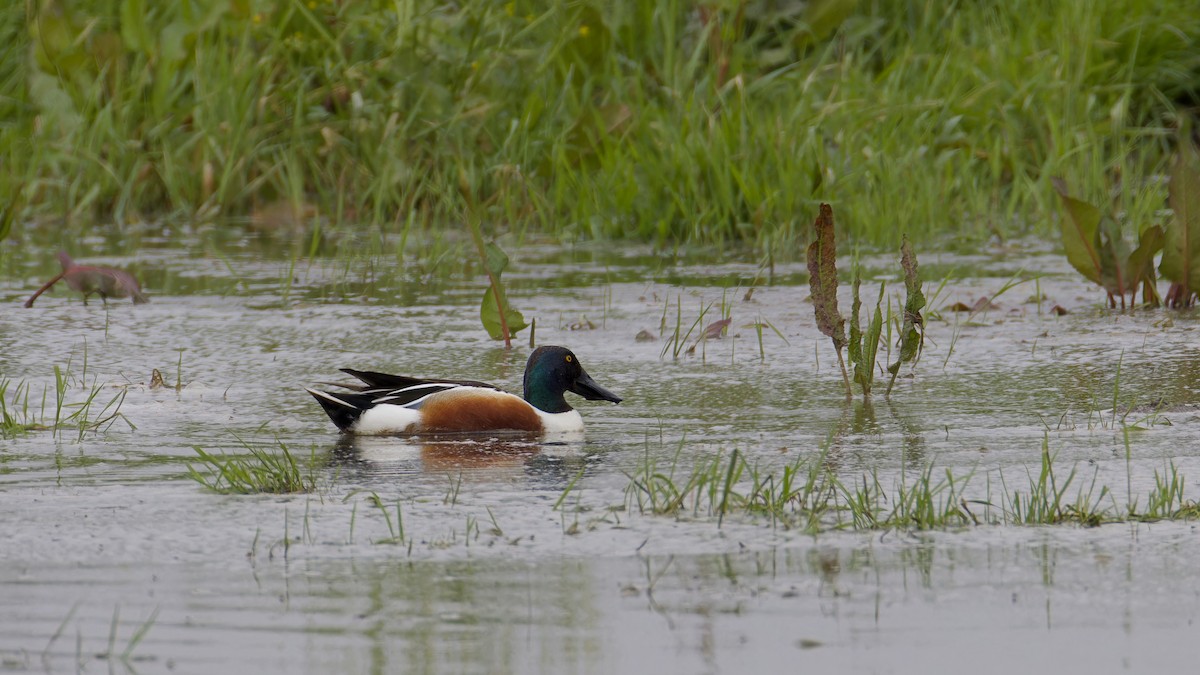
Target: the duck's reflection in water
(539, 463)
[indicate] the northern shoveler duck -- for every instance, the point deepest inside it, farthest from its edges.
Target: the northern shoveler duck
(396, 404)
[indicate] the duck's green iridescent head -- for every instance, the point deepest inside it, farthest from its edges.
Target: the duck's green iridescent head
(553, 371)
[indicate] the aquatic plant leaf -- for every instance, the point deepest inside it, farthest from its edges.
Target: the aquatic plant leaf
(489, 314)
(1181, 250)
(864, 346)
(1114, 254)
(1080, 233)
(714, 330)
(822, 278)
(1140, 263)
(912, 328)
(822, 282)
(868, 350)
(855, 347)
(496, 260)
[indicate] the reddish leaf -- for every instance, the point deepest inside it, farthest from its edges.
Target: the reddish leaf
(822, 279)
(715, 329)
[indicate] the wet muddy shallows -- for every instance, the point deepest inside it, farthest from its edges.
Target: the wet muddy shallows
(514, 556)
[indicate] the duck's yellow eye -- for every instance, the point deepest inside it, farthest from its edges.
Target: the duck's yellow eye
(568, 358)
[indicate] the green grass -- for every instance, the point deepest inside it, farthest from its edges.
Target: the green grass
(668, 120)
(811, 494)
(23, 411)
(262, 471)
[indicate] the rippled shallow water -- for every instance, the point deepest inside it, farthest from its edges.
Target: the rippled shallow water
(496, 571)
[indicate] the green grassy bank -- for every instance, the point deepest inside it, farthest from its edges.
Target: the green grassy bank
(665, 120)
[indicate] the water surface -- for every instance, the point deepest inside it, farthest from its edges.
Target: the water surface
(427, 557)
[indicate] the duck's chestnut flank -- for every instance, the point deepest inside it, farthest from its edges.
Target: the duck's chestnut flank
(468, 409)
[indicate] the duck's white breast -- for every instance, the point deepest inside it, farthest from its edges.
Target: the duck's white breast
(558, 423)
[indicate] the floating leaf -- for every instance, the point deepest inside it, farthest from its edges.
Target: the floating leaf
(1181, 250)
(911, 331)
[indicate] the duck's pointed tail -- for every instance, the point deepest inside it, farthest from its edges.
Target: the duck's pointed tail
(343, 409)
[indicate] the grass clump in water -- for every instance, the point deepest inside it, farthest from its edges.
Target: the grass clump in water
(799, 496)
(22, 412)
(262, 471)
(809, 494)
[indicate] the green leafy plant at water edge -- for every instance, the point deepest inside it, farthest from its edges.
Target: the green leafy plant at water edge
(1181, 253)
(1095, 248)
(499, 317)
(912, 328)
(262, 471)
(864, 347)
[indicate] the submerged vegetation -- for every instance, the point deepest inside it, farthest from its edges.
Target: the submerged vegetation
(667, 120)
